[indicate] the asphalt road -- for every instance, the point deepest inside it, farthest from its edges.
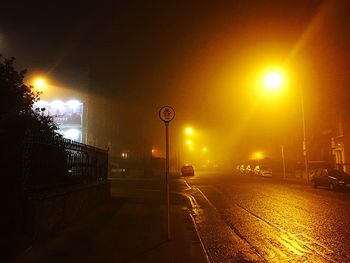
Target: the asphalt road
(268, 220)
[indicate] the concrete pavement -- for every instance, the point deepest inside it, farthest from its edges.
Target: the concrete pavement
(130, 228)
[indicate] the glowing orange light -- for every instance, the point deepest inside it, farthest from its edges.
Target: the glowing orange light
(40, 84)
(273, 80)
(257, 156)
(188, 131)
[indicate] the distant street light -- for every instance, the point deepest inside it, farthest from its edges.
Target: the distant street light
(257, 156)
(189, 131)
(274, 80)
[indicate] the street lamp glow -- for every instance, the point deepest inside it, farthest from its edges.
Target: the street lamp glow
(40, 84)
(188, 142)
(257, 156)
(273, 80)
(188, 131)
(204, 149)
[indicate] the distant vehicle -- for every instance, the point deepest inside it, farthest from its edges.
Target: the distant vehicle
(248, 170)
(187, 170)
(241, 168)
(262, 170)
(334, 179)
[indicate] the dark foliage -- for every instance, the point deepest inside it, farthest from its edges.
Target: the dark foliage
(17, 118)
(16, 102)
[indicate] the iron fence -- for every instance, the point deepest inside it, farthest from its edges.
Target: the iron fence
(50, 160)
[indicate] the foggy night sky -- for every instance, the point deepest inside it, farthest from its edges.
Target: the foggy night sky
(198, 56)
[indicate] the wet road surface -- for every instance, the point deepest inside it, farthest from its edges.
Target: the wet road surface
(267, 220)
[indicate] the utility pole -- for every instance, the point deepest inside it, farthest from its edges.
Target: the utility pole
(283, 162)
(305, 149)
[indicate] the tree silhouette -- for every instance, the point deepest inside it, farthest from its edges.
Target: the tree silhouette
(16, 103)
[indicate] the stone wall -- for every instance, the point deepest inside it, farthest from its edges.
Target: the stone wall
(47, 212)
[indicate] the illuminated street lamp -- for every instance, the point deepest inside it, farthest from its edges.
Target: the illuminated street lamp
(189, 131)
(39, 84)
(273, 81)
(257, 156)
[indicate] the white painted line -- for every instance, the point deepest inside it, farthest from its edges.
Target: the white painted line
(205, 250)
(206, 198)
(188, 186)
(195, 206)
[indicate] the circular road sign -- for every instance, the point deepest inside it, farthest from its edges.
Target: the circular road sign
(166, 114)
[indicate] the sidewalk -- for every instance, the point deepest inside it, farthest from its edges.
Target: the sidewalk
(291, 179)
(130, 228)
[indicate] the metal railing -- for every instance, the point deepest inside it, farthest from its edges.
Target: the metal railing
(50, 161)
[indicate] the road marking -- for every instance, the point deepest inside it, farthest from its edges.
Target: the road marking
(188, 186)
(195, 208)
(205, 197)
(204, 247)
(235, 230)
(287, 239)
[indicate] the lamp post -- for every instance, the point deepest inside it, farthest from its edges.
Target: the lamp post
(305, 152)
(273, 81)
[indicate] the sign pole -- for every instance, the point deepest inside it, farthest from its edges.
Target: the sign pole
(167, 174)
(166, 114)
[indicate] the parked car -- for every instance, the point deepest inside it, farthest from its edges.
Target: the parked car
(262, 170)
(248, 170)
(334, 179)
(187, 170)
(241, 168)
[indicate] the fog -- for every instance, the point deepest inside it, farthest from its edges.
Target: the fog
(206, 60)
